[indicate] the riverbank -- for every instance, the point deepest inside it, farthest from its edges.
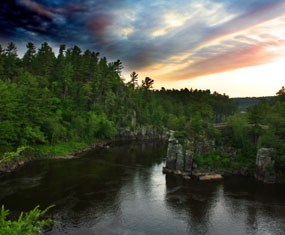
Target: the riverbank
(11, 161)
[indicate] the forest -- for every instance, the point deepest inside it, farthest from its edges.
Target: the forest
(78, 97)
(53, 103)
(263, 126)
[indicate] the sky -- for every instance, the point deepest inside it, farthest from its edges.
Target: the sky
(235, 47)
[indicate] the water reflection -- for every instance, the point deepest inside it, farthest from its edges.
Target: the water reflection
(232, 206)
(122, 191)
(193, 201)
(262, 205)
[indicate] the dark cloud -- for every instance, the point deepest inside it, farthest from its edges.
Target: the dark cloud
(12, 17)
(125, 29)
(73, 22)
(97, 26)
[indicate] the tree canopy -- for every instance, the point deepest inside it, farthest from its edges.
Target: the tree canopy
(78, 95)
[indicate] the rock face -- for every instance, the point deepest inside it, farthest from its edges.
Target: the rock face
(265, 166)
(179, 156)
(205, 146)
(141, 133)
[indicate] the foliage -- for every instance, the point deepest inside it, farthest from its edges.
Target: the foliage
(215, 161)
(134, 80)
(15, 155)
(29, 223)
(281, 94)
(241, 134)
(273, 130)
(262, 126)
(181, 136)
(147, 83)
(212, 160)
(78, 96)
(59, 149)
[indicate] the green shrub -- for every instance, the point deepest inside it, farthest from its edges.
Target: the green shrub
(59, 149)
(29, 223)
(217, 162)
(15, 155)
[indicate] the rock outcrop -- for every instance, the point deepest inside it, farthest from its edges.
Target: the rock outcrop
(179, 157)
(265, 166)
(205, 146)
(179, 160)
(141, 133)
(181, 152)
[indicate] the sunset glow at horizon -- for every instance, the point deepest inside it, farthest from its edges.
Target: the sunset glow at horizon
(228, 46)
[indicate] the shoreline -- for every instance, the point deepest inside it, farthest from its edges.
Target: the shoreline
(13, 165)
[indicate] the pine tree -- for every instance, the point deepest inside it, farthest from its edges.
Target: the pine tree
(11, 62)
(147, 83)
(29, 57)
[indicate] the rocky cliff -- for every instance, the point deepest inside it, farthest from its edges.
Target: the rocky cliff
(141, 133)
(179, 155)
(265, 165)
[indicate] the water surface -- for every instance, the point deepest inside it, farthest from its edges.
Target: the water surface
(121, 190)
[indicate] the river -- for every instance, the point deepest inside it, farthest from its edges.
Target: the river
(122, 190)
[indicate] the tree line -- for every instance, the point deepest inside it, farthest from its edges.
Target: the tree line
(262, 126)
(49, 98)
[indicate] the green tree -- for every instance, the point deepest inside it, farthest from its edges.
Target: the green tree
(9, 120)
(11, 62)
(281, 94)
(44, 61)
(134, 80)
(1, 62)
(147, 83)
(29, 56)
(63, 74)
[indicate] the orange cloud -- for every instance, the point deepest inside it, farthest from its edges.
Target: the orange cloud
(236, 58)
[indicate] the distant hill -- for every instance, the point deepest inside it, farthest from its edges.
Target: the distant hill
(246, 102)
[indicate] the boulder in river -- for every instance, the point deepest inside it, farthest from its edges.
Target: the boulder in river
(211, 177)
(265, 165)
(179, 156)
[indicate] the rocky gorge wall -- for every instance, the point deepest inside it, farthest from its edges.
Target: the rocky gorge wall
(142, 133)
(181, 154)
(265, 165)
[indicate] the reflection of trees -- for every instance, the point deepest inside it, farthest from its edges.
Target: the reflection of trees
(192, 199)
(139, 160)
(83, 189)
(261, 206)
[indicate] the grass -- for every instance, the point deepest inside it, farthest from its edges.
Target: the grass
(60, 149)
(10, 160)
